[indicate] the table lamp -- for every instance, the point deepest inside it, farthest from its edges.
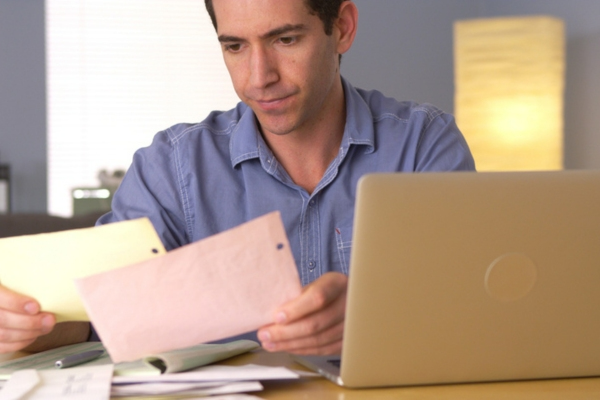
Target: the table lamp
(509, 88)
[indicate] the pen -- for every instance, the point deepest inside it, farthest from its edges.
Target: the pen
(77, 359)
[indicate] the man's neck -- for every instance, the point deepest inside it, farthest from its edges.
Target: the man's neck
(307, 154)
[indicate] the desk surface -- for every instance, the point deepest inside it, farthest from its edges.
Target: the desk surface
(318, 388)
(310, 388)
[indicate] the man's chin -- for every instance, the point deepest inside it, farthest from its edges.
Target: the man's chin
(275, 126)
(276, 132)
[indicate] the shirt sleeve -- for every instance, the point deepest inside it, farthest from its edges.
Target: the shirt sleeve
(151, 188)
(442, 147)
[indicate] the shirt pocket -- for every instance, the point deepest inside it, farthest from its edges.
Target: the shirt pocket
(343, 240)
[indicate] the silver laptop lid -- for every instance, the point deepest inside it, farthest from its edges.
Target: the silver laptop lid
(462, 277)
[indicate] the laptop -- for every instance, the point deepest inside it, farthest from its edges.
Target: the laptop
(471, 277)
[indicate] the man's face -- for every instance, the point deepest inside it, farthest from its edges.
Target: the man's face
(281, 62)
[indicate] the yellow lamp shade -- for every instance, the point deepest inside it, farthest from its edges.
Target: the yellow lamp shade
(509, 89)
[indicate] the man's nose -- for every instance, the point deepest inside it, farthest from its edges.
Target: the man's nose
(263, 68)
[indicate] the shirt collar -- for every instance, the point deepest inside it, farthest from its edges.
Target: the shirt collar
(247, 142)
(359, 128)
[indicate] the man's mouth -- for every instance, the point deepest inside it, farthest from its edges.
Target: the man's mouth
(272, 104)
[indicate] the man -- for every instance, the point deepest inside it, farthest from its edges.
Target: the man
(298, 143)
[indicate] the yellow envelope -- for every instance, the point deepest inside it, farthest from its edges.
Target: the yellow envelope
(44, 266)
(218, 287)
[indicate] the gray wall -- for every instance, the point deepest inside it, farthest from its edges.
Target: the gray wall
(404, 49)
(23, 101)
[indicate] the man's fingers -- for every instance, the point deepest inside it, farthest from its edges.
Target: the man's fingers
(19, 330)
(316, 296)
(328, 350)
(312, 323)
(8, 336)
(15, 327)
(328, 341)
(14, 346)
(18, 303)
(21, 321)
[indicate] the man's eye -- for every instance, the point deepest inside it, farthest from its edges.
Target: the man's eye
(287, 40)
(235, 47)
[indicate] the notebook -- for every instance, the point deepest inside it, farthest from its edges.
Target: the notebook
(470, 277)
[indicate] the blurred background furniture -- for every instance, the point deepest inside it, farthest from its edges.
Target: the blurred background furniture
(27, 224)
(4, 189)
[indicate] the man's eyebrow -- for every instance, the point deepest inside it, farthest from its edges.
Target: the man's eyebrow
(275, 32)
(283, 29)
(227, 38)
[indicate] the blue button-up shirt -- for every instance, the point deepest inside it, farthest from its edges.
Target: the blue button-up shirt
(196, 180)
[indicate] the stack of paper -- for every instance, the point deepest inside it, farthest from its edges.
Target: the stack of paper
(172, 372)
(210, 380)
(152, 365)
(94, 382)
(81, 383)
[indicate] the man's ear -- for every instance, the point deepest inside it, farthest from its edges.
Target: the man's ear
(345, 26)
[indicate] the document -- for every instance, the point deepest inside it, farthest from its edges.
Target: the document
(203, 381)
(44, 266)
(216, 373)
(222, 286)
(193, 357)
(200, 389)
(81, 383)
(152, 365)
(141, 377)
(45, 360)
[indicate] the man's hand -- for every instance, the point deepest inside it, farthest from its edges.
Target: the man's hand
(21, 321)
(313, 323)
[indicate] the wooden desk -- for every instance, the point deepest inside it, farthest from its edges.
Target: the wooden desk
(322, 389)
(315, 388)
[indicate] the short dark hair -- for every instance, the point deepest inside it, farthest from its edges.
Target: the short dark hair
(326, 10)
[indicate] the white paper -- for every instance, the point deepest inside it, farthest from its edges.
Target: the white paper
(180, 389)
(78, 383)
(45, 360)
(250, 372)
(230, 397)
(20, 384)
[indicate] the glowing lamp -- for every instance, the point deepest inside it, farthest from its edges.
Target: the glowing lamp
(509, 89)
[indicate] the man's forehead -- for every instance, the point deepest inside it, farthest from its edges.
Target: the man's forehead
(266, 14)
(264, 3)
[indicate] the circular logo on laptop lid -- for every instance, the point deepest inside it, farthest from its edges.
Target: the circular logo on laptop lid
(510, 277)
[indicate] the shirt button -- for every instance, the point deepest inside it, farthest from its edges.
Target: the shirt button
(312, 264)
